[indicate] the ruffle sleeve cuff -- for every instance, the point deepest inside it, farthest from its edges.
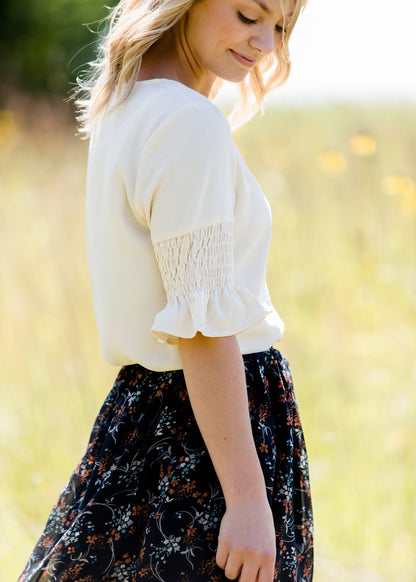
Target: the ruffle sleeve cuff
(197, 274)
(215, 313)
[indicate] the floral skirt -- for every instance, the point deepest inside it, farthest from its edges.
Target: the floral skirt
(145, 504)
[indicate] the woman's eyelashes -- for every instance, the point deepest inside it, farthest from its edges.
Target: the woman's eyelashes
(247, 20)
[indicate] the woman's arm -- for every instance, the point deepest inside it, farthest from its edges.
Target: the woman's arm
(215, 379)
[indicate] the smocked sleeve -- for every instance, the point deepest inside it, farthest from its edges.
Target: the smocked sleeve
(189, 168)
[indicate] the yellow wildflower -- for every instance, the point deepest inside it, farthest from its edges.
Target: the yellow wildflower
(404, 188)
(398, 185)
(362, 145)
(332, 162)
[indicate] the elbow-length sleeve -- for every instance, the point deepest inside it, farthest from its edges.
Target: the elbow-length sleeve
(188, 172)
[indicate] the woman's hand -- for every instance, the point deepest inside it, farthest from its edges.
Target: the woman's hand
(215, 378)
(246, 543)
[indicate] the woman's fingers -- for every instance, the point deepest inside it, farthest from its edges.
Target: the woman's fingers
(258, 571)
(249, 573)
(247, 542)
(229, 562)
(222, 556)
(247, 568)
(266, 573)
(233, 569)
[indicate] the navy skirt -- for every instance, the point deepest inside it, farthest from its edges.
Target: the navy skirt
(145, 504)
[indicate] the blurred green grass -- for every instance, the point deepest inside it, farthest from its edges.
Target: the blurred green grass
(342, 273)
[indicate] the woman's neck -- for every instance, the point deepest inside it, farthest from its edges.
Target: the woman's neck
(170, 58)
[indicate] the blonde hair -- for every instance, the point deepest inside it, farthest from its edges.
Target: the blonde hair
(133, 27)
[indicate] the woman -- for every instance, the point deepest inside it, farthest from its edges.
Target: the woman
(196, 469)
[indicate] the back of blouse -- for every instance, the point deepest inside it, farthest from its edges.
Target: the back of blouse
(178, 230)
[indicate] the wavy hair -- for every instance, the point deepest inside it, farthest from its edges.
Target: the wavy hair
(133, 26)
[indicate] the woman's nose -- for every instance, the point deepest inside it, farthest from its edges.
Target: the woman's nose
(264, 41)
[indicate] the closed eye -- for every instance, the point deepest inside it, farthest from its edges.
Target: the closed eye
(245, 19)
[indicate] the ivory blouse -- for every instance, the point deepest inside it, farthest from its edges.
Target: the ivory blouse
(178, 230)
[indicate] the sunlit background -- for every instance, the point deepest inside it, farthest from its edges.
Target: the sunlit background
(335, 155)
(354, 50)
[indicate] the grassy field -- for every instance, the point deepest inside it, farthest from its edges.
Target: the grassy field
(342, 272)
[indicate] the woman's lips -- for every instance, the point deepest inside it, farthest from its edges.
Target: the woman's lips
(246, 61)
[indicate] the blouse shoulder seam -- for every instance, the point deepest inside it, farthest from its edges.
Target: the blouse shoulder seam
(185, 108)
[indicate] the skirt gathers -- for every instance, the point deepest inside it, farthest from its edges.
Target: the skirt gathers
(145, 504)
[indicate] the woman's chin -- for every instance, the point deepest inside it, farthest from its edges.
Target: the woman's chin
(234, 76)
